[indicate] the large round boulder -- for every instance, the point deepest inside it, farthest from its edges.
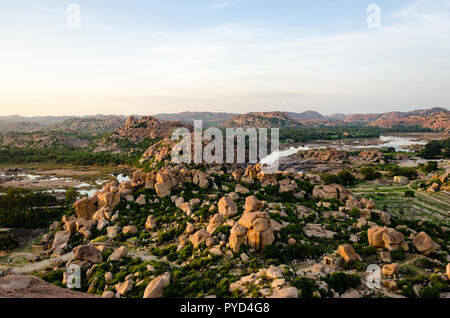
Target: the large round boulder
(87, 253)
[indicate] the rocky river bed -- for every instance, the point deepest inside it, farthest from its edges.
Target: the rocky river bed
(86, 182)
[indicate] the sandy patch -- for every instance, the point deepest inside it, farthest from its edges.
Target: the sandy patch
(40, 184)
(69, 173)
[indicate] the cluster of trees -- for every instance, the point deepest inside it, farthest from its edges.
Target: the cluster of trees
(327, 133)
(437, 149)
(369, 173)
(7, 242)
(408, 172)
(67, 155)
(303, 134)
(344, 178)
(21, 208)
(429, 167)
(76, 155)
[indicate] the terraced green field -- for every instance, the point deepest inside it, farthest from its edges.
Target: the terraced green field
(424, 205)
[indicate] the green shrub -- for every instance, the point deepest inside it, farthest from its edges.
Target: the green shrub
(398, 255)
(307, 286)
(354, 213)
(409, 194)
(341, 282)
(370, 173)
(429, 292)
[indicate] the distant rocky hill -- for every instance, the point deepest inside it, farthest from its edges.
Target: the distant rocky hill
(89, 124)
(336, 116)
(41, 120)
(309, 114)
(189, 117)
(263, 120)
(137, 130)
(22, 126)
(69, 124)
(433, 118)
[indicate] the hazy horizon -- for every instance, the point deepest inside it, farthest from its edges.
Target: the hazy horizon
(237, 56)
(153, 114)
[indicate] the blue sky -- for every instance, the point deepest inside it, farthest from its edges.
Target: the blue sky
(147, 57)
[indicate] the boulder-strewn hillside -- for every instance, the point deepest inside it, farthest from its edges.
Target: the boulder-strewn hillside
(262, 120)
(178, 231)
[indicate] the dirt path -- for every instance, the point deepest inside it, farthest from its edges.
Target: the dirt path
(33, 267)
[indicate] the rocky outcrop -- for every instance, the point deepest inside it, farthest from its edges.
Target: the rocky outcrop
(85, 208)
(371, 156)
(147, 127)
(252, 204)
(150, 223)
(118, 254)
(259, 229)
(331, 191)
(390, 269)
(387, 238)
(155, 289)
(61, 238)
(324, 155)
(199, 237)
(21, 286)
(262, 120)
(237, 237)
(423, 243)
(87, 253)
(227, 207)
(347, 252)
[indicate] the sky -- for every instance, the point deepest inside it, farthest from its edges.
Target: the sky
(146, 57)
